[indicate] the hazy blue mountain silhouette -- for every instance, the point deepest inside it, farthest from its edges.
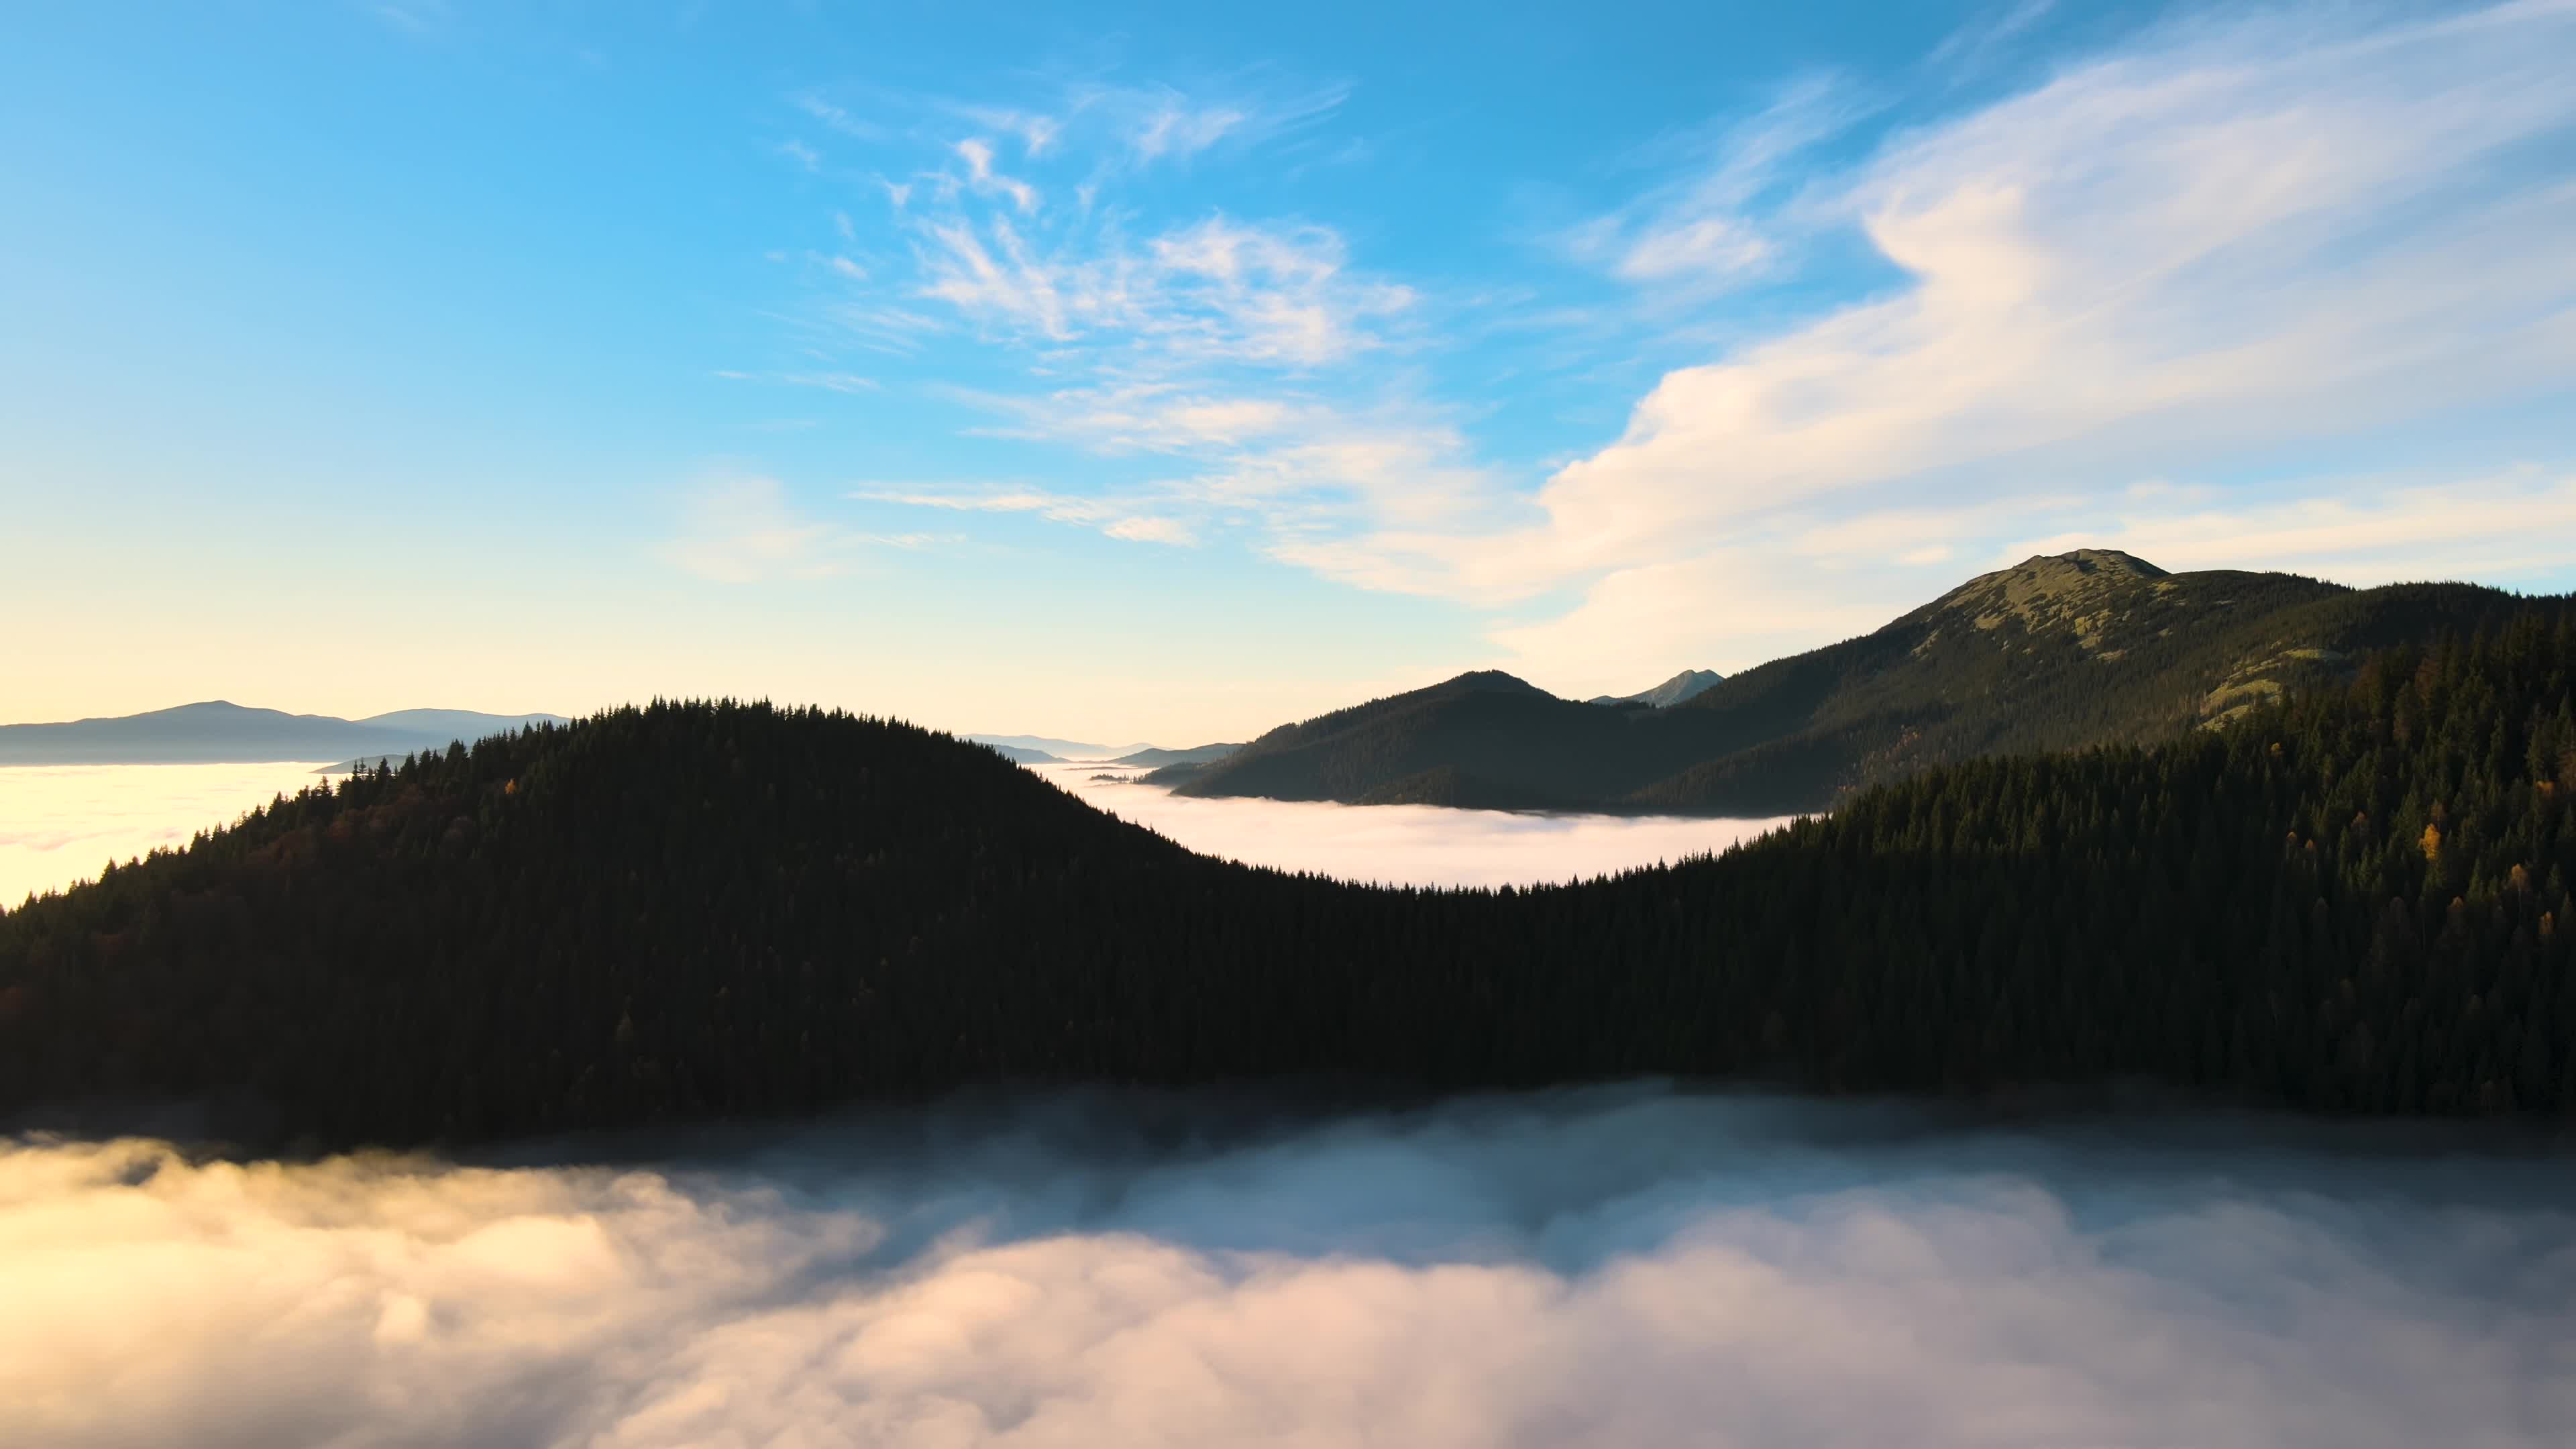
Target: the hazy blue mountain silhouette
(1059, 749)
(221, 732)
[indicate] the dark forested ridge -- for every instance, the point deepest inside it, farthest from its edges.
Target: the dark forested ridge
(2056, 653)
(2354, 899)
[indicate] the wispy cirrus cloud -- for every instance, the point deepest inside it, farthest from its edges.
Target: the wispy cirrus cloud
(1224, 347)
(1978, 42)
(846, 383)
(1297, 470)
(1122, 518)
(1087, 131)
(1162, 124)
(2228, 234)
(839, 119)
(1213, 291)
(1136, 417)
(1035, 131)
(1702, 228)
(738, 528)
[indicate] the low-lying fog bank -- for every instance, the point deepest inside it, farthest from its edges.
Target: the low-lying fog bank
(60, 823)
(1612, 1267)
(1405, 844)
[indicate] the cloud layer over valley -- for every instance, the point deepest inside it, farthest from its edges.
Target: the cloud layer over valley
(60, 823)
(1418, 845)
(1612, 1267)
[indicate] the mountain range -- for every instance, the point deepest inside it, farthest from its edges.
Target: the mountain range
(2355, 899)
(2058, 652)
(1023, 755)
(221, 732)
(1056, 749)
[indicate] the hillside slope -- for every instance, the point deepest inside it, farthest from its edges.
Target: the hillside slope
(1685, 685)
(2090, 647)
(2358, 900)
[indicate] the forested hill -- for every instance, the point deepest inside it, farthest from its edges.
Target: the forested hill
(2357, 900)
(2086, 648)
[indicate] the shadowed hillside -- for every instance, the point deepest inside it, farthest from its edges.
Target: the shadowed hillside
(2091, 647)
(2358, 899)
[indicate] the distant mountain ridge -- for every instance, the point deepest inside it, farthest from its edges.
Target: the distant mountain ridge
(1685, 685)
(1022, 755)
(1057, 749)
(1195, 755)
(2057, 652)
(221, 732)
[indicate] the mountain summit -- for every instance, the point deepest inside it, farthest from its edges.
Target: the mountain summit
(2070, 592)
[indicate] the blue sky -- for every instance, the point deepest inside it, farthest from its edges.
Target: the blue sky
(1170, 371)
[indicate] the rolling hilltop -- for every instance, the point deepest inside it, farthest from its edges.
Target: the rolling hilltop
(2056, 653)
(2357, 899)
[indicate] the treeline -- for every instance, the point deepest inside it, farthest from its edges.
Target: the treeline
(2357, 900)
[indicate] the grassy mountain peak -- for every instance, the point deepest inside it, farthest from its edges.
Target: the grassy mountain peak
(2078, 593)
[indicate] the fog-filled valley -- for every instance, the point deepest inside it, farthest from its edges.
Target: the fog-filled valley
(1423, 845)
(58, 824)
(1623, 1265)
(800, 726)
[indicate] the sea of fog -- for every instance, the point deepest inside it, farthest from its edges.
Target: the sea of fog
(1404, 844)
(1613, 1267)
(59, 824)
